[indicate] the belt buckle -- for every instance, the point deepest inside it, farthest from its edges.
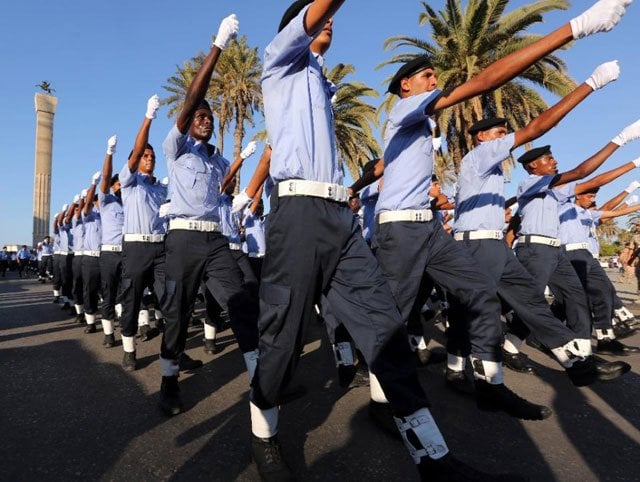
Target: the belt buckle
(496, 235)
(292, 187)
(193, 225)
(146, 238)
(330, 193)
(417, 216)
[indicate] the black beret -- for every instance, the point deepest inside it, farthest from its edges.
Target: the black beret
(114, 179)
(534, 154)
(486, 124)
(204, 105)
(292, 12)
(407, 70)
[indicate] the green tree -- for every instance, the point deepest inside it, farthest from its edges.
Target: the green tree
(466, 40)
(354, 118)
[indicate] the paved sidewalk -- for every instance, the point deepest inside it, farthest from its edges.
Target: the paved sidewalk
(69, 412)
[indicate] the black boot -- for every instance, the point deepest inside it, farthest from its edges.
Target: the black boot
(498, 397)
(622, 329)
(615, 348)
(583, 372)
(518, 362)
(80, 319)
(267, 455)
(188, 363)
(91, 328)
(170, 402)
(459, 381)
(210, 346)
(109, 341)
(610, 370)
(129, 361)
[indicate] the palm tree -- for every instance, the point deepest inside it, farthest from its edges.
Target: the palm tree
(464, 42)
(354, 118)
(608, 229)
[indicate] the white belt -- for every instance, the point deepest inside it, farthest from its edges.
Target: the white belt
(595, 256)
(116, 248)
(45, 255)
(256, 255)
(57, 252)
(235, 246)
(95, 254)
(78, 253)
(326, 190)
(411, 215)
(62, 253)
(144, 238)
(576, 246)
(194, 225)
(480, 234)
(532, 238)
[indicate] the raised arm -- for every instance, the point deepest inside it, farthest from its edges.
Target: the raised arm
(601, 17)
(604, 178)
(611, 204)
(142, 139)
(619, 212)
(237, 164)
(91, 193)
(367, 178)
(200, 83)
(628, 134)
(107, 166)
(319, 14)
(256, 200)
(257, 180)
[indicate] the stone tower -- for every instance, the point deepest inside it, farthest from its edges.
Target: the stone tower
(45, 110)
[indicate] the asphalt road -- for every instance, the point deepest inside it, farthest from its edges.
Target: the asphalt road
(69, 412)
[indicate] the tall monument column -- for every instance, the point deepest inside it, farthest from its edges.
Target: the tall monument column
(45, 110)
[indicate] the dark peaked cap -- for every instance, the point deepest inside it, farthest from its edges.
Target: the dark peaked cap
(486, 124)
(534, 154)
(292, 12)
(407, 70)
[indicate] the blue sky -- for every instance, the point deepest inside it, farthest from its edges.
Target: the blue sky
(104, 59)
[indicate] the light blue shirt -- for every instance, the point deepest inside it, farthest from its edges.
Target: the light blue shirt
(230, 222)
(77, 230)
(298, 110)
(408, 155)
(56, 241)
(538, 205)
(24, 254)
(195, 176)
(4, 256)
(480, 195)
(594, 242)
(112, 216)
(47, 249)
(254, 233)
(92, 231)
(141, 198)
(66, 238)
(368, 199)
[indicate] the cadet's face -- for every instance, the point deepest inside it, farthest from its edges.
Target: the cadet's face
(435, 189)
(148, 162)
(354, 204)
(202, 125)
(116, 187)
(586, 201)
(544, 166)
(423, 81)
(507, 215)
(492, 134)
(323, 41)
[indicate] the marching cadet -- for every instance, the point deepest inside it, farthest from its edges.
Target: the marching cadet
(577, 220)
(539, 248)
(66, 240)
(112, 215)
(77, 246)
(143, 233)
(196, 174)
(479, 221)
(92, 222)
(46, 260)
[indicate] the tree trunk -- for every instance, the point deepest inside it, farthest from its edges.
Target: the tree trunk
(238, 136)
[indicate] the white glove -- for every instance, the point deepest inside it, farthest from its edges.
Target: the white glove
(633, 200)
(96, 178)
(604, 73)
(628, 134)
(227, 31)
(165, 181)
(76, 199)
(250, 149)
(437, 143)
(601, 17)
(153, 104)
(111, 145)
(83, 194)
(164, 210)
(634, 184)
(65, 208)
(240, 202)
(514, 207)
